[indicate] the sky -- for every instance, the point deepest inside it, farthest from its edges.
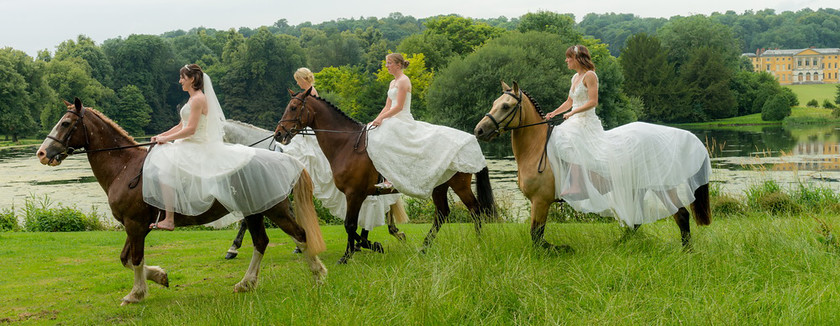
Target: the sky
(33, 25)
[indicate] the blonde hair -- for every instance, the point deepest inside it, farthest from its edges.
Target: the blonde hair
(305, 74)
(398, 59)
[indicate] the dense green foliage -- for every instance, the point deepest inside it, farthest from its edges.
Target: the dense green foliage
(671, 70)
(40, 217)
(775, 109)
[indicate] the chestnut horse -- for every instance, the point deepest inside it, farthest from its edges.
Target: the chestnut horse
(117, 163)
(517, 112)
(343, 141)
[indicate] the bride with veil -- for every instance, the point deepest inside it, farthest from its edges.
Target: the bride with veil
(191, 167)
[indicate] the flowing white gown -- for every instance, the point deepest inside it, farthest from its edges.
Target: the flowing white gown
(417, 156)
(637, 173)
(188, 175)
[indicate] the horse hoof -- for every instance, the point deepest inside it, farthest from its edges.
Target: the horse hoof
(125, 303)
(342, 261)
(297, 250)
(400, 236)
(377, 247)
(231, 255)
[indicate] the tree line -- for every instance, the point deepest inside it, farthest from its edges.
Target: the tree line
(663, 71)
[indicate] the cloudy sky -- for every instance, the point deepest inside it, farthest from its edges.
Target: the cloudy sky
(32, 25)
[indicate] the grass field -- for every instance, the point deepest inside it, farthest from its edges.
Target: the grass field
(753, 270)
(820, 92)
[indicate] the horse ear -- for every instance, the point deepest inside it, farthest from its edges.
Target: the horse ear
(515, 87)
(78, 104)
(291, 94)
(67, 104)
(308, 91)
(505, 87)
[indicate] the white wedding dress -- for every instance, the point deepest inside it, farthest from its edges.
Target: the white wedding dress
(187, 176)
(417, 156)
(637, 173)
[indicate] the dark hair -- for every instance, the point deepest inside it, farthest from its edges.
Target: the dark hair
(398, 59)
(581, 54)
(194, 71)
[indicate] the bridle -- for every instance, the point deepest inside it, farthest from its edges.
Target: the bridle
(304, 116)
(299, 119)
(506, 127)
(70, 150)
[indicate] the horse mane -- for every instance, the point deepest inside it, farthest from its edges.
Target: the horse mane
(111, 123)
(335, 108)
(536, 105)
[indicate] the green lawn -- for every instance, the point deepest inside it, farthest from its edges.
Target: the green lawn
(757, 270)
(820, 92)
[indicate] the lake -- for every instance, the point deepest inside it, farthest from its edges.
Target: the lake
(741, 157)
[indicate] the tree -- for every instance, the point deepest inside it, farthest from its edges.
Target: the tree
(41, 95)
(649, 76)
(342, 86)
(436, 48)
(255, 85)
(72, 78)
(15, 118)
(551, 22)
(682, 36)
(132, 112)
(706, 78)
(330, 48)
(464, 34)
(775, 109)
(85, 48)
(837, 96)
(147, 61)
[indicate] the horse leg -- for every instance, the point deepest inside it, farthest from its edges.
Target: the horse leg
(351, 222)
(132, 258)
(260, 240)
(285, 219)
(392, 225)
(237, 242)
(682, 219)
(439, 197)
(461, 187)
(539, 216)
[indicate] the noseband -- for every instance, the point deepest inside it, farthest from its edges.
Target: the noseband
(499, 128)
(297, 120)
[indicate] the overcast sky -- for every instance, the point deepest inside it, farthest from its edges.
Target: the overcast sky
(32, 25)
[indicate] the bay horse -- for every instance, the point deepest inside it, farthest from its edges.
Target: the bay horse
(306, 150)
(342, 139)
(117, 162)
(517, 112)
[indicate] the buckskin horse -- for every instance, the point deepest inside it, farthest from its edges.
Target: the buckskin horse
(342, 139)
(117, 161)
(517, 112)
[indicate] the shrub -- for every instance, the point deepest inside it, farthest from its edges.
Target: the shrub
(39, 217)
(813, 103)
(816, 198)
(829, 104)
(727, 206)
(8, 221)
(775, 109)
(777, 202)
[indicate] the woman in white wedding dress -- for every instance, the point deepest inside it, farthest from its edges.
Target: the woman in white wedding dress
(197, 169)
(638, 172)
(416, 156)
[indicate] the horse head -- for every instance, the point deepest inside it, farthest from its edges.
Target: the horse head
(502, 115)
(65, 136)
(296, 117)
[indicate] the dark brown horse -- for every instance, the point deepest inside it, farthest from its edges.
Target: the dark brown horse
(117, 162)
(516, 112)
(342, 140)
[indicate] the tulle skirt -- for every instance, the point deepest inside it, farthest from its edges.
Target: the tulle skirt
(637, 173)
(188, 176)
(417, 156)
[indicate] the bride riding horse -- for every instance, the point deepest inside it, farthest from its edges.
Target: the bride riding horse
(117, 161)
(517, 112)
(376, 210)
(343, 141)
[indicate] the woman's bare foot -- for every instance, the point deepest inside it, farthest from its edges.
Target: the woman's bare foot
(384, 185)
(167, 224)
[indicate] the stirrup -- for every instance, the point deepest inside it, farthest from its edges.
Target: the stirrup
(384, 185)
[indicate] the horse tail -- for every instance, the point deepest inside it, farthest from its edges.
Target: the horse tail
(486, 201)
(398, 212)
(701, 208)
(306, 216)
